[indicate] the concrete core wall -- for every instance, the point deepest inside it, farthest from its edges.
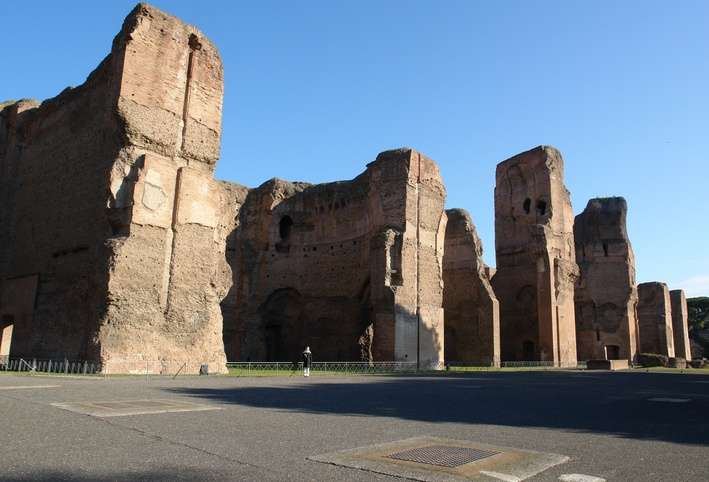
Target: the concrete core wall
(536, 262)
(471, 309)
(606, 296)
(680, 324)
(655, 319)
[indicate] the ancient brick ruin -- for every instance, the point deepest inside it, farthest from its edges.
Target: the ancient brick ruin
(655, 319)
(115, 243)
(119, 246)
(471, 309)
(352, 269)
(680, 325)
(606, 293)
(536, 263)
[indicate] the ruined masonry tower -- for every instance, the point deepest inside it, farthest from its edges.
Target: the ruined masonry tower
(472, 311)
(120, 247)
(655, 319)
(680, 327)
(351, 268)
(606, 294)
(536, 265)
(112, 249)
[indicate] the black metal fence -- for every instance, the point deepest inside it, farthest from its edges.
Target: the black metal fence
(35, 365)
(180, 367)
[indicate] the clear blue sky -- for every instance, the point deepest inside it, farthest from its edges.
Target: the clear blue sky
(314, 90)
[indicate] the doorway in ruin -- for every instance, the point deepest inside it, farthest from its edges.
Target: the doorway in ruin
(528, 350)
(612, 352)
(282, 325)
(7, 325)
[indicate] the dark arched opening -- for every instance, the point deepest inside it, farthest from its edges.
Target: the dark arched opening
(284, 227)
(612, 352)
(527, 204)
(282, 325)
(528, 350)
(541, 207)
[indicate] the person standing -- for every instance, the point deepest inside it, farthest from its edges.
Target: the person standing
(307, 361)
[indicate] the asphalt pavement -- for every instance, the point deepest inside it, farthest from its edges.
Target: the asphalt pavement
(615, 426)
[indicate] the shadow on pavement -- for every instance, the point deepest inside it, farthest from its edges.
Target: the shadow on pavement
(179, 474)
(604, 403)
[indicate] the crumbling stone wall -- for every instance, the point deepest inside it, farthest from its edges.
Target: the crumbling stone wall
(353, 269)
(680, 324)
(110, 202)
(471, 309)
(536, 265)
(606, 295)
(655, 319)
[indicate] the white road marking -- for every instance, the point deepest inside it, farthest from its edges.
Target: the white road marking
(24, 387)
(580, 478)
(669, 400)
(122, 408)
(499, 476)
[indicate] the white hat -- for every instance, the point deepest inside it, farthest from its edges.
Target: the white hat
(307, 349)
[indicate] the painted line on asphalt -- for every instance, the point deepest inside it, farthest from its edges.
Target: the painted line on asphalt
(580, 478)
(499, 476)
(26, 387)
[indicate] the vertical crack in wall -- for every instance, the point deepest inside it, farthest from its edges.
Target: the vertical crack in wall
(194, 45)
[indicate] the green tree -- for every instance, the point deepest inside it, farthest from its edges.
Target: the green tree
(698, 312)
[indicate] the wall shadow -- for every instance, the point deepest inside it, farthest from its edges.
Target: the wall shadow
(168, 473)
(615, 404)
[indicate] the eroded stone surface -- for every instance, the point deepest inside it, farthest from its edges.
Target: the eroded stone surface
(472, 312)
(536, 265)
(606, 295)
(655, 319)
(118, 215)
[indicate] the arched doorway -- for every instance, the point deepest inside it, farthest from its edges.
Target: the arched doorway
(282, 325)
(612, 352)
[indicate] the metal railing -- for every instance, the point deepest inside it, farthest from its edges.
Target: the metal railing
(289, 368)
(174, 368)
(38, 365)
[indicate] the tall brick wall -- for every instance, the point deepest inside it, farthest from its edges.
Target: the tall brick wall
(471, 309)
(536, 265)
(606, 296)
(680, 324)
(655, 319)
(112, 206)
(336, 266)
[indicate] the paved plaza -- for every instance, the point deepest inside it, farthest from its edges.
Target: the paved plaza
(612, 426)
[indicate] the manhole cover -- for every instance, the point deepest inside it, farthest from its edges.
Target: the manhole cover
(443, 455)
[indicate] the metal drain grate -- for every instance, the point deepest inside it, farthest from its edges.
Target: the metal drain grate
(443, 455)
